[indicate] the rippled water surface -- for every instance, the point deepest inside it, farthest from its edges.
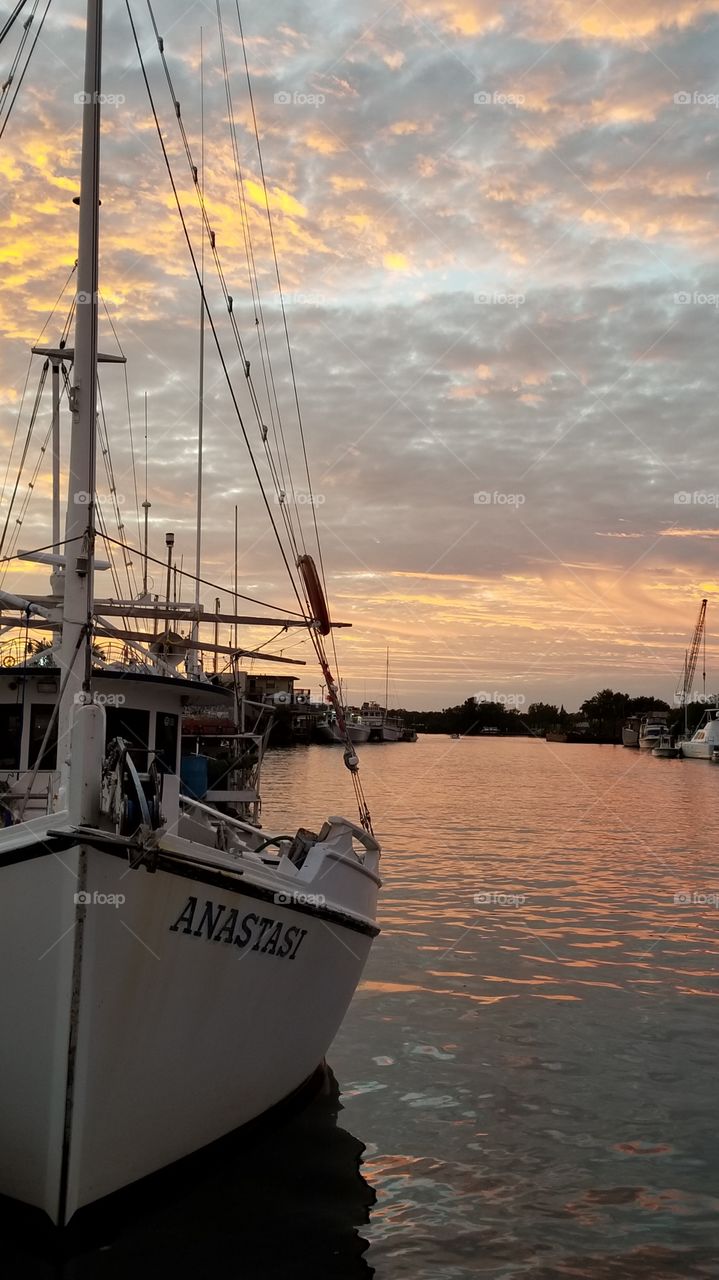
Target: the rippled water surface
(528, 1074)
(534, 1074)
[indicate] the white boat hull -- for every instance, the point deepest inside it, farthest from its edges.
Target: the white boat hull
(385, 733)
(331, 733)
(697, 750)
(143, 1031)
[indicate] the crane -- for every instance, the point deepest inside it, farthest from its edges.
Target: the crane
(691, 657)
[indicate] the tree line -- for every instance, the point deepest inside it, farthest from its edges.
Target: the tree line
(599, 718)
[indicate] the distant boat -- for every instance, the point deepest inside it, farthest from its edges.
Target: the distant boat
(555, 735)
(651, 729)
(630, 732)
(665, 749)
(381, 729)
(455, 735)
(705, 739)
(382, 726)
(328, 729)
(409, 735)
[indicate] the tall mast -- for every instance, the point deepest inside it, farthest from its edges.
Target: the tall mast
(146, 508)
(386, 686)
(201, 381)
(76, 649)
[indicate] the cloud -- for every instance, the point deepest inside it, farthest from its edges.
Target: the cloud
(482, 298)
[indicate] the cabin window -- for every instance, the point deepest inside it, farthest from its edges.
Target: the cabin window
(41, 714)
(134, 727)
(10, 736)
(166, 728)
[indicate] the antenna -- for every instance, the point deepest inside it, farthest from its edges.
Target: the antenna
(235, 601)
(146, 508)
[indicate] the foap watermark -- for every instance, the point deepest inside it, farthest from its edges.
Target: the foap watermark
(291, 897)
(697, 98)
(686, 898)
(699, 498)
(307, 299)
(85, 699)
(695, 298)
(496, 98)
(498, 898)
(498, 298)
(299, 499)
(504, 699)
(82, 498)
(704, 699)
(99, 99)
(95, 899)
(497, 499)
(294, 98)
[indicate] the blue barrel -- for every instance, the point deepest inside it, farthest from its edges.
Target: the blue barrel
(193, 776)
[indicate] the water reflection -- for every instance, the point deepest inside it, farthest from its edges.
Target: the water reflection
(288, 1202)
(530, 1062)
(531, 1057)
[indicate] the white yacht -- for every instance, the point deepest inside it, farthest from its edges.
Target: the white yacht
(704, 739)
(381, 727)
(328, 729)
(651, 729)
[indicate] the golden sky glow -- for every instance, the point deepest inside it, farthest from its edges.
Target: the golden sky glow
(496, 228)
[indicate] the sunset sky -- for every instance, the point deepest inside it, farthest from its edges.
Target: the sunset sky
(497, 232)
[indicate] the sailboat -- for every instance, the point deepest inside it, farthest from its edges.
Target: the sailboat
(170, 971)
(382, 726)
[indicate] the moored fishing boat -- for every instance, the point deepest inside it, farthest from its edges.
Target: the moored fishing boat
(170, 971)
(651, 729)
(328, 729)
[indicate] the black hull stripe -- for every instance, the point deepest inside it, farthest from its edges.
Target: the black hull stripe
(227, 880)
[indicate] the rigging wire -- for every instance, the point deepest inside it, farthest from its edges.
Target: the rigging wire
(34, 551)
(208, 311)
(5, 90)
(205, 582)
(104, 440)
(22, 74)
(11, 19)
(249, 250)
(332, 687)
(286, 515)
(19, 521)
(129, 422)
(27, 379)
(350, 756)
(26, 446)
(280, 292)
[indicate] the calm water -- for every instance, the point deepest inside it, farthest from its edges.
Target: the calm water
(528, 1082)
